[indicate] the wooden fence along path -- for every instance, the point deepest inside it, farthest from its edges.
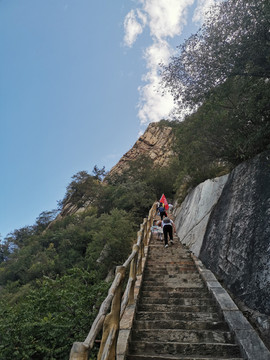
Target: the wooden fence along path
(107, 321)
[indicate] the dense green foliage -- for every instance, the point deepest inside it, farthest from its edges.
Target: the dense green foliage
(53, 273)
(50, 315)
(54, 282)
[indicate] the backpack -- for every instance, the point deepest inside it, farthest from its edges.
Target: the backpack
(166, 221)
(161, 209)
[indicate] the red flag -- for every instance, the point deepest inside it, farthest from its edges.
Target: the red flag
(164, 201)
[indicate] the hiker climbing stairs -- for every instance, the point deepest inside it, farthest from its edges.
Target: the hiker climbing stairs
(176, 317)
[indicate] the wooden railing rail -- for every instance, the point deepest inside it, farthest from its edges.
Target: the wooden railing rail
(114, 302)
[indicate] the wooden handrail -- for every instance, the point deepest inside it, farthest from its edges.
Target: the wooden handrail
(110, 321)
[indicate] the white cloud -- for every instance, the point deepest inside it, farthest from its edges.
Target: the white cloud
(134, 23)
(200, 13)
(165, 19)
(154, 106)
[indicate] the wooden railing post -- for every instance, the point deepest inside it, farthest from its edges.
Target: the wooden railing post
(140, 250)
(145, 234)
(107, 349)
(79, 351)
(133, 275)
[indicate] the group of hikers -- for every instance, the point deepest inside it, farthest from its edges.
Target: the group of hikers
(165, 226)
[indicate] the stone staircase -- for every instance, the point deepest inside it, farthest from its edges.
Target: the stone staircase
(176, 316)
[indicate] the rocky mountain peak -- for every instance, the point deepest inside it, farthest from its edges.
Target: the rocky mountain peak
(156, 142)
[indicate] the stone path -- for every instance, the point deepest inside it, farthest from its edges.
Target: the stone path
(176, 316)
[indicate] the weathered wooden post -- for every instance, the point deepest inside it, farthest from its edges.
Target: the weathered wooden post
(140, 250)
(107, 349)
(79, 351)
(132, 275)
(145, 234)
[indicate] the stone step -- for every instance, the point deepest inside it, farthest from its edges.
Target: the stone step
(177, 357)
(183, 336)
(176, 308)
(177, 255)
(180, 324)
(175, 293)
(178, 301)
(171, 259)
(158, 273)
(173, 284)
(184, 316)
(167, 281)
(159, 263)
(163, 278)
(170, 270)
(178, 348)
(159, 254)
(174, 265)
(174, 287)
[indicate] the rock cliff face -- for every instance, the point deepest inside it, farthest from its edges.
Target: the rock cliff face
(156, 142)
(193, 215)
(231, 233)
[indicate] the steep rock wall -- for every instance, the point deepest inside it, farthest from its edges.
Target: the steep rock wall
(227, 226)
(236, 244)
(191, 218)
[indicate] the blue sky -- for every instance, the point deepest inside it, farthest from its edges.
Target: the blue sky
(77, 80)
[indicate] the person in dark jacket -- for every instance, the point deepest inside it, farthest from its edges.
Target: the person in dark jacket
(162, 211)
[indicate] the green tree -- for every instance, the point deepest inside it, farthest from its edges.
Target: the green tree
(99, 174)
(51, 316)
(113, 236)
(44, 219)
(233, 41)
(83, 189)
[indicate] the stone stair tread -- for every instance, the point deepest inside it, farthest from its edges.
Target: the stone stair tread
(171, 281)
(232, 345)
(163, 279)
(169, 357)
(178, 324)
(177, 357)
(173, 288)
(162, 313)
(174, 294)
(184, 335)
(183, 330)
(177, 308)
(184, 301)
(186, 348)
(178, 289)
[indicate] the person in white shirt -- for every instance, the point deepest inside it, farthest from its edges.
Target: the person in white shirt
(157, 230)
(168, 228)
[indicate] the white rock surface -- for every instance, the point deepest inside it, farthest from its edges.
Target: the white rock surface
(192, 216)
